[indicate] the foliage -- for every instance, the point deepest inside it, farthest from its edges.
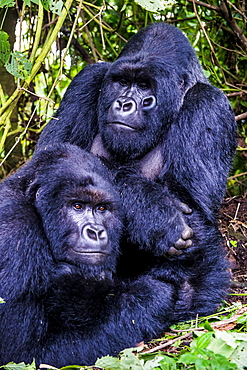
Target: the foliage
(21, 366)
(53, 42)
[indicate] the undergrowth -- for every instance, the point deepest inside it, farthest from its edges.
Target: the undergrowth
(216, 342)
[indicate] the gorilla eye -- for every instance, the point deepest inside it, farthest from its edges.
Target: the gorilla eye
(123, 82)
(102, 208)
(143, 85)
(77, 206)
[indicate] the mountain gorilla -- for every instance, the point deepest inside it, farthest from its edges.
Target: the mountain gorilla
(59, 240)
(168, 137)
(60, 226)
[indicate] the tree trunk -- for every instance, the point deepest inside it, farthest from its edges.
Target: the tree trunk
(8, 85)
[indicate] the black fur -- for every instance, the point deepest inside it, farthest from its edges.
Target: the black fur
(167, 136)
(64, 307)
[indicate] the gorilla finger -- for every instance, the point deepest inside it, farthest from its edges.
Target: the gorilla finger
(185, 208)
(187, 233)
(173, 252)
(183, 244)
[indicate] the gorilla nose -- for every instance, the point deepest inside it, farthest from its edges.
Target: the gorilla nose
(149, 102)
(124, 105)
(95, 234)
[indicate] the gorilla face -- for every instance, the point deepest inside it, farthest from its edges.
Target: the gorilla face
(89, 240)
(136, 106)
(78, 208)
(126, 107)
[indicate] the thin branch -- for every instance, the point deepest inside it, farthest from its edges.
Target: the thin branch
(89, 38)
(168, 343)
(19, 138)
(208, 39)
(38, 96)
(238, 175)
(84, 54)
(225, 12)
(241, 116)
(237, 10)
(208, 6)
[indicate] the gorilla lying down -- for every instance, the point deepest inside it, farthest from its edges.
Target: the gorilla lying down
(60, 229)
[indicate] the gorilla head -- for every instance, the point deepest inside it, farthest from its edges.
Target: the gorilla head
(78, 208)
(143, 90)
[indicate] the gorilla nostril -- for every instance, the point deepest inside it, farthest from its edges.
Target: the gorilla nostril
(117, 105)
(95, 234)
(92, 234)
(149, 102)
(124, 105)
(102, 234)
(127, 107)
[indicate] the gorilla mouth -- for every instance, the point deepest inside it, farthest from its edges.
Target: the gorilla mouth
(91, 253)
(89, 257)
(122, 126)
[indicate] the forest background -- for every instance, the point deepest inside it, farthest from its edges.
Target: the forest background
(44, 44)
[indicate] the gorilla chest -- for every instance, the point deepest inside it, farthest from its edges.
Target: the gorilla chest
(150, 165)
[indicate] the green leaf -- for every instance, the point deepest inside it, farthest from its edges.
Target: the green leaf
(20, 366)
(19, 66)
(167, 363)
(7, 3)
(217, 345)
(73, 367)
(108, 363)
(27, 2)
(155, 363)
(56, 7)
(207, 326)
(129, 360)
(202, 341)
(4, 47)
(154, 5)
(204, 359)
(242, 319)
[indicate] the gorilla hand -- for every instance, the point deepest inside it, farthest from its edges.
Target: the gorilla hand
(184, 241)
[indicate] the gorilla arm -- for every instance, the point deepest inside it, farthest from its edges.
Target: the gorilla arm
(155, 218)
(105, 324)
(199, 148)
(25, 269)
